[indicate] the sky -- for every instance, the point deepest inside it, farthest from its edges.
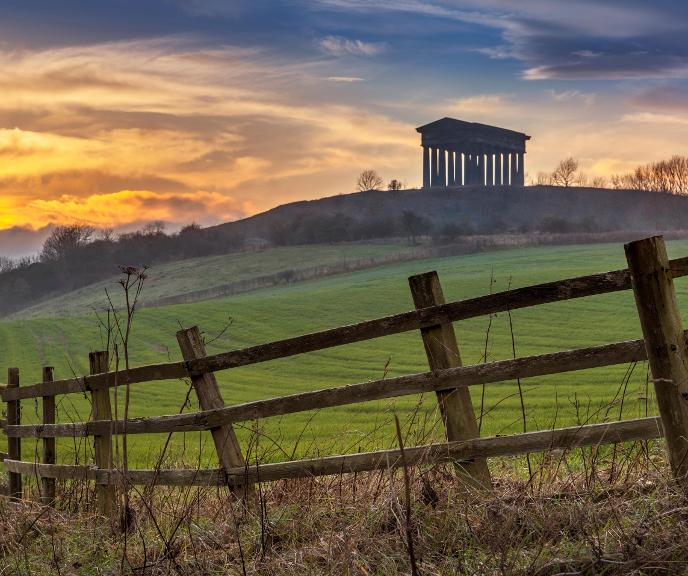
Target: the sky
(115, 113)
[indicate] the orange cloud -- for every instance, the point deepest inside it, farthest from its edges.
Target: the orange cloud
(124, 207)
(163, 110)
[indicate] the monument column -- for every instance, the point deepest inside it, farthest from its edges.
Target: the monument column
(426, 167)
(503, 168)
(433, 166)
(489, 168)
(459, 169)
(442, 180)
(451, 169)
(480, 169)
(513, 172)
(520, 174)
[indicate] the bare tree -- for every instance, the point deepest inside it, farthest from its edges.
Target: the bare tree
(7, 264)
(106, 234)
(368, 180)
(565, 172)
(543, 179)
(599, 182)
(668, 176)
(414, 225)
(154, 228)
(64, 239)
(394, 185)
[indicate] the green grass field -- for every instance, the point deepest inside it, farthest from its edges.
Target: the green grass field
(193, 274)
(272, 314)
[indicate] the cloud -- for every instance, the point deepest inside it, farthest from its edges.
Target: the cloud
(572, 95)
(654, 118)
(339, 46)
(22, 241)
(348, 79)
(478, 104)
(126, 207)
(87, 125)
(663, 98)
(577, 39)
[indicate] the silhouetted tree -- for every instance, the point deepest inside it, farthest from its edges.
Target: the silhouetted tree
(368, 180)
(598, 182)
(394, 185)
(65, 239)
(669, 176)
(6, 264)
(543, 179)
(155, 228)
(453, 230)
(414, 225)
(565, 172)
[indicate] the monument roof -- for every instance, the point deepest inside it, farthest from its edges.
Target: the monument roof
(452, 126)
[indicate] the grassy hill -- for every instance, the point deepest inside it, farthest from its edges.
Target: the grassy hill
(208, 276)
(480, 209)
(267, 315)
(446, 215)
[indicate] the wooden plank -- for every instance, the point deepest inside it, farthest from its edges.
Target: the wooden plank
(542, 441)
(102, 411)
(414, 320)
(660, 319)
(49, 453)
(500, 371)
(14, 444)
(442, 351)
(151, 373)
(56, 471)
(209, 398)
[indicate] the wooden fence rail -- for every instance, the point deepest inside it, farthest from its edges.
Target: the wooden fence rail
(464, 450)
(493, 372)
(665, 345)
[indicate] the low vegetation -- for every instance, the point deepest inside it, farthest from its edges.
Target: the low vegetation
(618, 513)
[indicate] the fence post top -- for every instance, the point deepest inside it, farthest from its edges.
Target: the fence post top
(644, 241)
(423, 275)
(191, 330)
(12, 377)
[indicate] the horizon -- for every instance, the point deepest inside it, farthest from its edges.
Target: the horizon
(116, 115)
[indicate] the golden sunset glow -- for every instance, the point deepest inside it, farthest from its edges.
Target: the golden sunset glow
(174, 127)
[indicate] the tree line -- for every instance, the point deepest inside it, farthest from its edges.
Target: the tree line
(666, 176)
(77, 255)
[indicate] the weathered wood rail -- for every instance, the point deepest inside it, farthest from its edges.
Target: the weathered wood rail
(650, 274)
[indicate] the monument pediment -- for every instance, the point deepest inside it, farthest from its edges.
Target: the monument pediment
(459, 132)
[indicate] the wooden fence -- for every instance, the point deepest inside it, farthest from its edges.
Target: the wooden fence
(650, 275)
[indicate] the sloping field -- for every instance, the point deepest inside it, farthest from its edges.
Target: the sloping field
(201, 278)
(272, 314)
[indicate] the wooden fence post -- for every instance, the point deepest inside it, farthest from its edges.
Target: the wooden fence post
(209, 397)
(442, 351)
(14, 444)
(48, 484)
(665, 344)
(102, 410)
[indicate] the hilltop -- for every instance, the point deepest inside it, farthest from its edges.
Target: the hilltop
(474, 209)
(195, 263)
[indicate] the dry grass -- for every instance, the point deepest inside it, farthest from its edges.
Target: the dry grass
(590, 512)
